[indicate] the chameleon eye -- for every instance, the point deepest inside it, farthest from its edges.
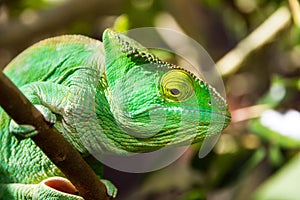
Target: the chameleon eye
(177, 85)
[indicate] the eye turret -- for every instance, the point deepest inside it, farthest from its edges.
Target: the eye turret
(177, 85)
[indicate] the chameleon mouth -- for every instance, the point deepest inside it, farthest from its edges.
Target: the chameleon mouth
(61, 184)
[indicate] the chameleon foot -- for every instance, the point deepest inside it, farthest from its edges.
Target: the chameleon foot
(110, 188)
(24, 130)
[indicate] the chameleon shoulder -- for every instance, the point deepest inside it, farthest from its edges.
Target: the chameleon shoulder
(55, 54)
(73, 39)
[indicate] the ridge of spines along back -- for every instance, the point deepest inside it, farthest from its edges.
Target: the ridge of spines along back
(141, 55)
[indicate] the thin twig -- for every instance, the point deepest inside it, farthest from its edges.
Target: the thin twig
(295, 9)
(51, 142)
(247, 113)
(263, 34)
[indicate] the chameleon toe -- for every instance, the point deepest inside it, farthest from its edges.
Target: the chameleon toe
(22, 131)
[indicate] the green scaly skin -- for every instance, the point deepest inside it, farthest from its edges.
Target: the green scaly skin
(108, 96)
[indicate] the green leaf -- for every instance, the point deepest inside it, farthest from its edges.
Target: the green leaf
(284, 185)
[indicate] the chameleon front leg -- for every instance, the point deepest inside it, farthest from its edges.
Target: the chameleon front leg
(49, 98)
(55, 99)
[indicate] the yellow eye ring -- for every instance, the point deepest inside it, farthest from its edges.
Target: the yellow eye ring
(177, 85)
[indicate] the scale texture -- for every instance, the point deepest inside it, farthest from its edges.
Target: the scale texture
(114, 96)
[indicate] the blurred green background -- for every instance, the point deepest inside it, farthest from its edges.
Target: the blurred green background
(257, 156)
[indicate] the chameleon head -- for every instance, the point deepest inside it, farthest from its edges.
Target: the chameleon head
(154, 103)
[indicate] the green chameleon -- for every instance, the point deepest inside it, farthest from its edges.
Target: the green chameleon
(104, 97)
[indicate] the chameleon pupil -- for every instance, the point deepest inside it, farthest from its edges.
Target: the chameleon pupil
(174, 91)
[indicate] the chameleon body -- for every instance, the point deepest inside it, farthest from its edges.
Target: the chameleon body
(113, 96)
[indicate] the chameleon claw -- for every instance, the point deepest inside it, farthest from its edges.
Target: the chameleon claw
(23, 131)
(110, 188)
(47, 114)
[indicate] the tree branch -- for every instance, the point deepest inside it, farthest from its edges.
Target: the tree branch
(46, 21)
(258, 38)
(295, 10)
(51, 142)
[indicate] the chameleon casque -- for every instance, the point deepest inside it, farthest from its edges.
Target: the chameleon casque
(100, 96)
